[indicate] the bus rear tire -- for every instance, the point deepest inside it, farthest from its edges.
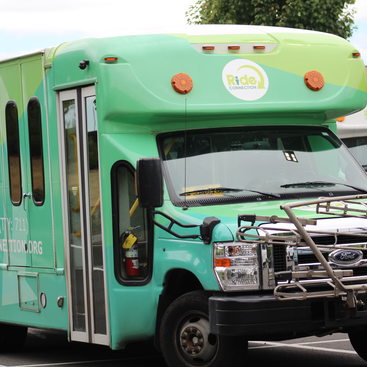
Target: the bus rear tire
(185, 339)
(12, 337)
(357, 338)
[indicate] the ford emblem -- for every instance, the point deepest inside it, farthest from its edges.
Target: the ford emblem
(345, 257)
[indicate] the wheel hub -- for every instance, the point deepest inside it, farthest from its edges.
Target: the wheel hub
(192, 340)
(195, 340)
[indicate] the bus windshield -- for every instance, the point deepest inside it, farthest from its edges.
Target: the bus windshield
(257, 163)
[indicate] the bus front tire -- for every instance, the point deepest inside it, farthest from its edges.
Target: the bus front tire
(185, 339)
(12, 337)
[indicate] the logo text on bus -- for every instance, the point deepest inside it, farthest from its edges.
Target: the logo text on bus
(245, 79)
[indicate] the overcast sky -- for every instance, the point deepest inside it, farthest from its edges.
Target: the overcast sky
(28, 25)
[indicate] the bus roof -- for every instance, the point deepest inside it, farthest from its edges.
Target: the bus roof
(236, 72)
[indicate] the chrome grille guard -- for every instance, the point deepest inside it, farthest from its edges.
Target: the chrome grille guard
(330, 282)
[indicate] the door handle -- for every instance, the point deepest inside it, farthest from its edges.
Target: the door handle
(26, 195)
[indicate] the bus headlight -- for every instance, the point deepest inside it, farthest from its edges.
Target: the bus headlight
(236, 265)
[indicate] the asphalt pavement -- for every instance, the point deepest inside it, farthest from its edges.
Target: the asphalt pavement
(51, 349)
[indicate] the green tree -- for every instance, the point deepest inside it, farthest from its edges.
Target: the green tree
(332, 16)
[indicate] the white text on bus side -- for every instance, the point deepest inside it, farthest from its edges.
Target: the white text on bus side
(21, 246)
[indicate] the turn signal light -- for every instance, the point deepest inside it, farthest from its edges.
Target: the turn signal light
(222, 263)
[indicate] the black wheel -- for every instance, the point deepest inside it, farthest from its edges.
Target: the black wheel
(12, 337)
(357, 338)
(185, 339)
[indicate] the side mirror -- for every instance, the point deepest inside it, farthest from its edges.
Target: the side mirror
(149, 182)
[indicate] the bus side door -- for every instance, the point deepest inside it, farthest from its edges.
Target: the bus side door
(78, 132)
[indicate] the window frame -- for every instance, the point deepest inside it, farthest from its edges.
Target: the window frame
(115, 228)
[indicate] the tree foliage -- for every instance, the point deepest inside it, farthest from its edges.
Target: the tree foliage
(332, 16)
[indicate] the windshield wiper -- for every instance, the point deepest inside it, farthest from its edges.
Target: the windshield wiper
(322, 183)
(215, 190)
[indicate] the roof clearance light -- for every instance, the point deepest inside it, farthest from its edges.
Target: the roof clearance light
(111, 59)
(208, 48)
(340, 119)
(356, 54)
(258, 47)
(234, 48)
(182, 83)
(314, 80)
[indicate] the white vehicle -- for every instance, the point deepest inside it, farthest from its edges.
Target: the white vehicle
(352, 130)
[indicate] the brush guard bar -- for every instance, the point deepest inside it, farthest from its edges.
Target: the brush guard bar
(327, 283)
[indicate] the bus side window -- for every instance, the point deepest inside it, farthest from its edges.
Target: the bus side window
(130, 229)
(12, 138)
(36, 151)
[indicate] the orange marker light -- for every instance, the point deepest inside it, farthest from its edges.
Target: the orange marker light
(234, 48)
(356, 54)
(314, 80)
(222, 263)
(182, 83)
(110, 59)
(259, 47)
(340, 119)
(208, 48)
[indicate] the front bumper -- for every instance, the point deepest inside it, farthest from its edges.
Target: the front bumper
(263, 317)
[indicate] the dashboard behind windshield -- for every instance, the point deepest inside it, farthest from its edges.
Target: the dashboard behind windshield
(206, 167)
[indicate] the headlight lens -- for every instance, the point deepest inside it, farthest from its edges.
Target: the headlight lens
(236, 265)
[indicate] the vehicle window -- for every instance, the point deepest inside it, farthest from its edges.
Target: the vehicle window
(36, 151)
(95, 215)
(256, 163)
(12, 138)
(130, 229)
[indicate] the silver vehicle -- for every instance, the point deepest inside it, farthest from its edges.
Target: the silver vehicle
(352, 130)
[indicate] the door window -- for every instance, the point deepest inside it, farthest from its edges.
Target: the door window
(74, 214)
(131, 242)
(94, 209)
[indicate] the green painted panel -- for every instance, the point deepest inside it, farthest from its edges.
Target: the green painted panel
(135, 94)
(28, 292)
(23, 305)
(39, 216)
(26, 230)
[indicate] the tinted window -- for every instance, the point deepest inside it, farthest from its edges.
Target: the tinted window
(36, 151)
(12, 135)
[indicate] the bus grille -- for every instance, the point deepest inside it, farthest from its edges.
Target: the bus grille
(308, 257)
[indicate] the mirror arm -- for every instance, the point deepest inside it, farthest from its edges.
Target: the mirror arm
(206, 229)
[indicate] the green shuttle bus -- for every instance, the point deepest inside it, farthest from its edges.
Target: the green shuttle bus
(186, 188)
